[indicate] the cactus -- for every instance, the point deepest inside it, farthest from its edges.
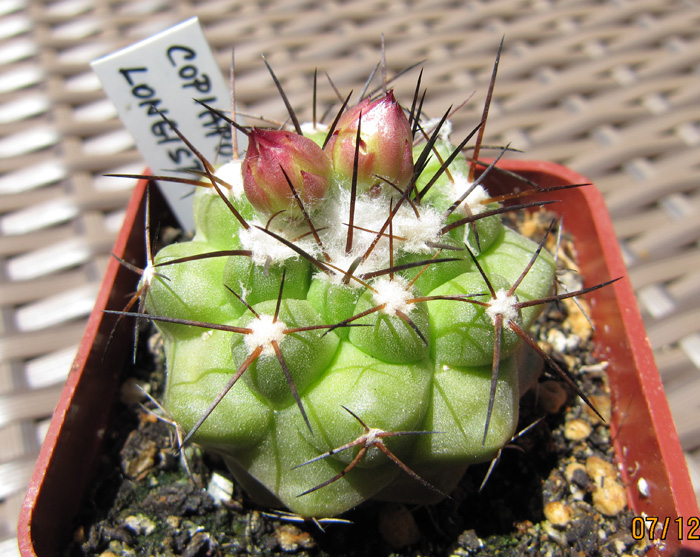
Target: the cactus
(350, 319)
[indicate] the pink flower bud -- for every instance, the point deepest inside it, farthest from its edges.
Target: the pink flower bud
(385, 144)
(304, 162)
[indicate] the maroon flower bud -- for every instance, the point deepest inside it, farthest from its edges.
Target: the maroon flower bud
(385, 144)
(306, 166)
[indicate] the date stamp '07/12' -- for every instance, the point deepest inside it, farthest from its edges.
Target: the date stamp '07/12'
(656, 528)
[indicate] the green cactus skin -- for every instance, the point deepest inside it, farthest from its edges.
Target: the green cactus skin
(422, 363)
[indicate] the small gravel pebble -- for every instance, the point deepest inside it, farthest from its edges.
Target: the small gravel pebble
(603, 404)
(611, 498)
(575, 473)
(562, 342)
(139, 524)
(577, 430)
(290, 538)
(558, 513)
(599, 470)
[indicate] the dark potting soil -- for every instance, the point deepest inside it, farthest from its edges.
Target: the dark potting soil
(555, 492)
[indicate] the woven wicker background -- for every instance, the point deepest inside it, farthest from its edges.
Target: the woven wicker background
(611, 89)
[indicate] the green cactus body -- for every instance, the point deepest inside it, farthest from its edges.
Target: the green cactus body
(330, 332)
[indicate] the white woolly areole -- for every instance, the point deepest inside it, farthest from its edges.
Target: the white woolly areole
(411, 234)
(231, 174)
(268, 249)
(418, 232)
(394, 294)
(371, 214)
(373, 436)
(265, 330)
(148, 274)
(505, 305)
(445, 130)
(474, 200)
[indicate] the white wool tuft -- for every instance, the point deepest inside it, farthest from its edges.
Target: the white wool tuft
(417, 231)
(412, 234)
(373, 436)
(267, 248)
(394, 294)
(148, 274)
(475, 198)
(369, 214)
(231, 174)
(445, 130)
(505, 305)
(265, 330)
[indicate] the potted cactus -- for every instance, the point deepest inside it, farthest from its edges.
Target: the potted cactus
(350, 319)
(372, 332)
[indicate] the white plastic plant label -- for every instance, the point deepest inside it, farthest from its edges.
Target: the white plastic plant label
(168, 73)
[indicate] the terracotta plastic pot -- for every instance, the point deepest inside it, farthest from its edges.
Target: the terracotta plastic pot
(645, 439)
